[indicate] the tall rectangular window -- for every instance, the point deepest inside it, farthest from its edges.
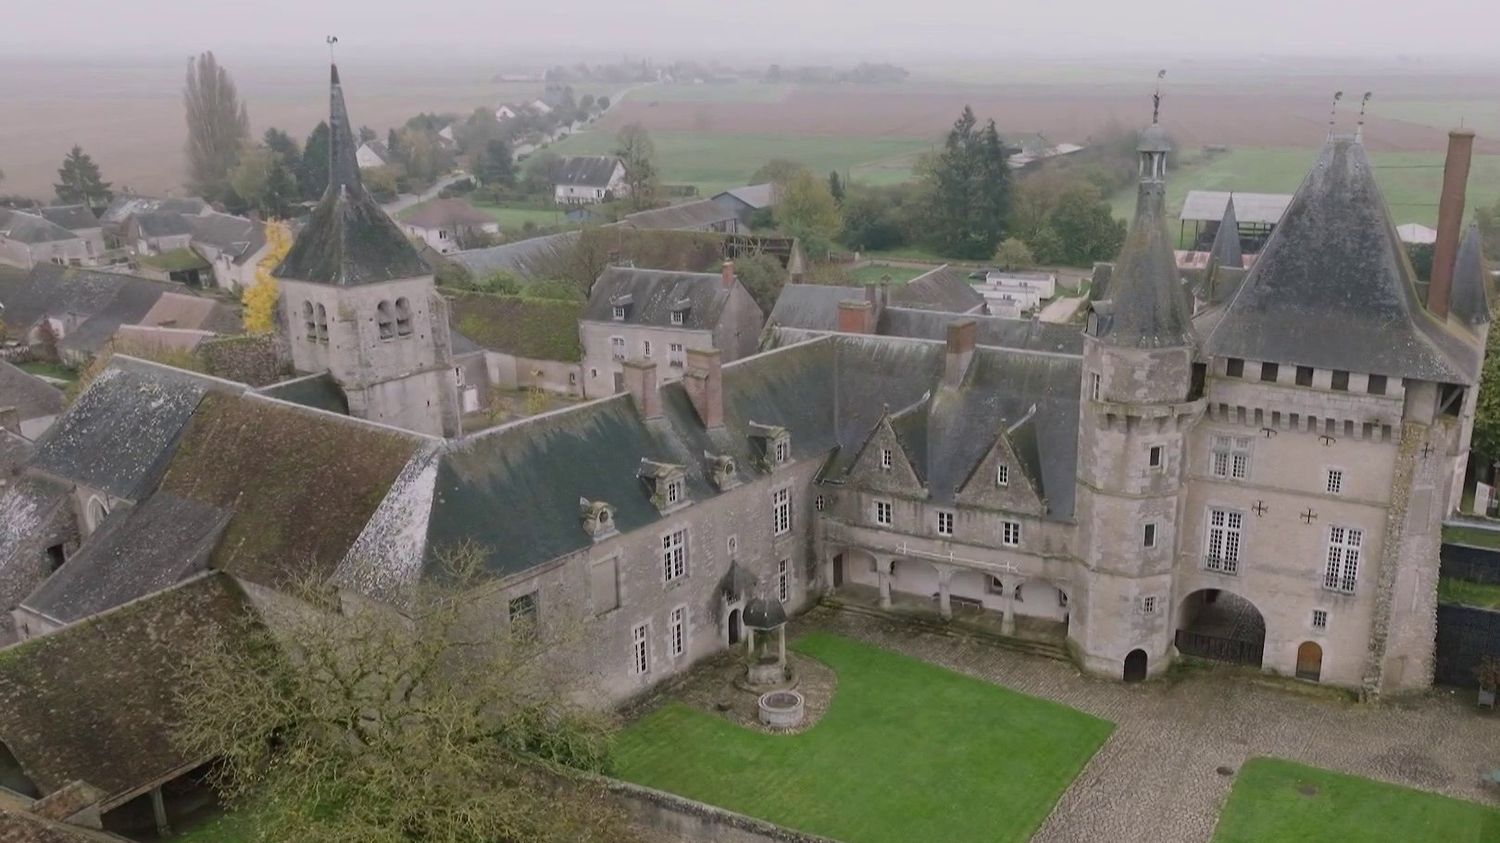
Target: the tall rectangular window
(617, 348)
(1156, 456)
(1231, 457)
(523, 615)
(1095, 386)
(883, 513)
(781, 511)
(677, 631)
(640, 649)
(604, 585)
(1222, 553)
(1002, 475)
(887, 459)
(784, 580)
(675, 355)
(1343, 558)
(1148, 535)
(1334, 483)
(646, 349)
(945, 523)
(1010, 533)
(674, 555)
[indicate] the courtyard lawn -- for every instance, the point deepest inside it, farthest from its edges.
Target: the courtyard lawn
(1477, 536)
(1276, 801)
(907, 751)
(1483, 595)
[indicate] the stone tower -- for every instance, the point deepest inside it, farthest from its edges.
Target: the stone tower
(360, 303)
(1138, 400)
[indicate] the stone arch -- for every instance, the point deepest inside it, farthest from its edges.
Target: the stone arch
(322, 319)
(860, 568)
(970, 584)
(1310, 661)
(385, 320)
(310, 323)
(914, 576)
(403, 317)
(1137, 665)
(1213, 623)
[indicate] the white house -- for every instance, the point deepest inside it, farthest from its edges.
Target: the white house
(444, 223)
(1013, 293)
(1416, 233)
(540, 106)
(504, 113)
(588, 179)
(372, 154)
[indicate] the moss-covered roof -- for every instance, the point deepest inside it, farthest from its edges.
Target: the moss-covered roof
(95, 701)
(542, 329)
(177, 260)
(301, 485)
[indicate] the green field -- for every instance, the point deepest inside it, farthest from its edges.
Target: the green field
(907, 751)
(1409, 180)
(1277, 801)
(1477, 536)
(1484, 595)
(716, 162)
(711, 92)
(1483, 116)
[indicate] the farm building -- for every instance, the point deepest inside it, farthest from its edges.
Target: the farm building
(587, 179)
(1258, 214)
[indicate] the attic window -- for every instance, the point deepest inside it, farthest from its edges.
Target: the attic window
(1002, 475)
(782, 449)
(1234, 367)
(403, 317)
(887, 459)
(1304, 375)
(677, 317)
(674, 492)
(1340, 381)
(1269, 372)
(1376, 385)
(619, 313)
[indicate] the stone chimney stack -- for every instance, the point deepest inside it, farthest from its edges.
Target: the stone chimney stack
(960, 350)
(1450, 220)
(640, 382)
(726, 275)
(856, 317)
(704, 382)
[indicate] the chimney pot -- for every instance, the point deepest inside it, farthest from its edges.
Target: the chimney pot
(856, 317)
(726, 275)
(1450, 220)
(704, 382)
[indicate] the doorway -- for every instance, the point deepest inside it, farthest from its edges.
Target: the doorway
(1135, 666)
(734, 627)
(1309, 661)
(838, 570)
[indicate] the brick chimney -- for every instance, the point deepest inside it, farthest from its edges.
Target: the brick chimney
(704, 382)
(726, 275)
(856, 317)
(1450, 220)
(960, 350)
(640, 382)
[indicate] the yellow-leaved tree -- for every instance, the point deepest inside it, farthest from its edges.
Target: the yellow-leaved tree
(260, 298)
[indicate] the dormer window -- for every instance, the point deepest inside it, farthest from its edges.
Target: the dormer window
(665, 483)
(782, 450)
(680, 310)
(776, 444)
(674, 492)
(677, 316)
(619, 313)
(619, 306)
(598, 519)
(1002, 475)
(887, 459)
(721, 470)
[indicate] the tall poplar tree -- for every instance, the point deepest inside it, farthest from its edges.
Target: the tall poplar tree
(218, 126)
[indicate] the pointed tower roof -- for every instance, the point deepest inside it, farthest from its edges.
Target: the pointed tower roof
(1146, 304)
(1471, 281)
(348, 240)
(1333, 288)
(1226, 248)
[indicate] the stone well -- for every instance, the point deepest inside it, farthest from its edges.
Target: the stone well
(781, 709)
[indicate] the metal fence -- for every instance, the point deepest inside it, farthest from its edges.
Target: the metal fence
(1218, 648)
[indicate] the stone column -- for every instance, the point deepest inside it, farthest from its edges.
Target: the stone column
(781, 644)
(883, 571)
(945, 602)
(159, 808)
(749, 639)
(1008, 620)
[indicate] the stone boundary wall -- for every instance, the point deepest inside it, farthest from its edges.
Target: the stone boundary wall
(1465, 634)
(673, 818)
(1467, 562)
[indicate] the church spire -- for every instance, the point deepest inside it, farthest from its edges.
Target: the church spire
(343, 168)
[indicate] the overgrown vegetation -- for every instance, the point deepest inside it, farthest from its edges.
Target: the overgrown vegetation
(368, 725)
(524, 325)
(1483, 595)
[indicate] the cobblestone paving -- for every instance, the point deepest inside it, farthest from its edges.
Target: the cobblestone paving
(1155, 779)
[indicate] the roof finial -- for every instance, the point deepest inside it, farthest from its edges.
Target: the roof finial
(1359, 129)
(330, 41)
(1333, 112)
(1156, 97)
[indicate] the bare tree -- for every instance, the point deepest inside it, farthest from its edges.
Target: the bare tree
(217, 123)
(634, 148)
(423, 723)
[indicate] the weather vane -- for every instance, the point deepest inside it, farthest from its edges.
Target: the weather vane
(1364, 102)
(1156, 96)
(330, 41)
(1333, 112)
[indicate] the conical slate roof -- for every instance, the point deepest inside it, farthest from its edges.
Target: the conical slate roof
(1471, 287)
(1147, 306)
(1333, 288)
(1226, 248)
(348, 240)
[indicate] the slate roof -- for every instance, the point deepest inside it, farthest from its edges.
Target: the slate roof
(1145, 304)
(137, 551)
(33, 510)
(21, 826)
(31, 395)
(71, 217)
(78, 295)
(532, 259)
(161, 224)
(124, 206)
(1471, 281)
(1226, 251)
(96, 701)
(757, 196)
(654, 294)
(813, 307)
(199, 313)
(1208, 206)
(1333, 287)
(443, 213)
(688, 216)
(120, 433)
(586, 170)
(31, 228)
(240, 237)
(943, 288)
(348, 240)
(993, 331)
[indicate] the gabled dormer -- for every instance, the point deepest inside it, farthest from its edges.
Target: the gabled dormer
(620, 307)
(598, 519)
(883, 463)
(722, 471)
(1008, 477)
(680, 310)
(772, 445)
(665, 483)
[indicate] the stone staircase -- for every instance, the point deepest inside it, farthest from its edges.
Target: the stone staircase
(951, 629)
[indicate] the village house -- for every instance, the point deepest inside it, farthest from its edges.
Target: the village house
(28, 240)
(372, 154)
(659, 316)
(589, 179)
(232, 246)
(744, 201)
(447, 224)
(80, 220)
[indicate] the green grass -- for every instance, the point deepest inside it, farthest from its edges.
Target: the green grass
(874, 273)
(48, 370)
(225, 828)
(1410, 181)
(715, 162)
(1277, 801)
(1477, 536)
(1483, 116)
(907, 751)
(1483, 595)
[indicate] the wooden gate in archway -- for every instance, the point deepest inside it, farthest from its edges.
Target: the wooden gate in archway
(1309, 661)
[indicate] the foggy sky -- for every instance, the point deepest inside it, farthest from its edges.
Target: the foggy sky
(756, 30)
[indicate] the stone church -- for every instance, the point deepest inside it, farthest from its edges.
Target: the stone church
(1252, 468)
